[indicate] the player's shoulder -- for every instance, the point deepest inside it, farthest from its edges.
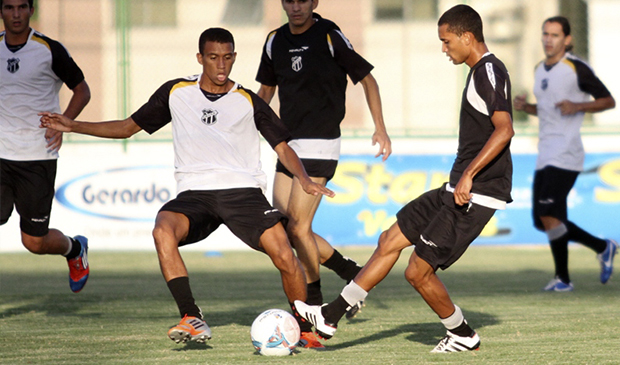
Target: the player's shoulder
(2, 34)
(180, 82)
(46, 41)
(250, 95)
(576, 63)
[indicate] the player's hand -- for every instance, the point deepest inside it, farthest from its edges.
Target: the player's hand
(54, 139)
(520, 102)
(55, 121)
(385, 145)
(462, 191)
(567, 107)
(312, 188)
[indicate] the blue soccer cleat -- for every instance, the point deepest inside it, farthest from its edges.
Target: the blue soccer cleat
(78, 266)
(606, 258)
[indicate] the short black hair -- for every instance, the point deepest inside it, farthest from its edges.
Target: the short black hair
(563, 21)
(218, 35)
(30, 3)
(461, 19)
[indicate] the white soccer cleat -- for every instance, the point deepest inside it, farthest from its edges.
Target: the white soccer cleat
(312, 313)
(454, 343)
(558, 285)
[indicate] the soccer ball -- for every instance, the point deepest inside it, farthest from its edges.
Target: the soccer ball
(275, 332)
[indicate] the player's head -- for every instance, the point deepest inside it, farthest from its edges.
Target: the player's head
(460, 32)
(462, 19)
(556, 37)
(217, 56)
(16, 15)
(299, 13)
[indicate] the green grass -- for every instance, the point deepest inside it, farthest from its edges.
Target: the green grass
(123, 313)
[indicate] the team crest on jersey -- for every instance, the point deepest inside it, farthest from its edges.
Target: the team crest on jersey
(296, 63)
(12, 65)
(209, 116)
(544, 84)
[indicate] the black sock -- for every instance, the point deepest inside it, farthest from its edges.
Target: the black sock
(577, 234)
(463, 330)
(182, 294)
(335, 310)
(304, 326)
(315, 297)
(559, 250)
(76, 248)
(342, 266)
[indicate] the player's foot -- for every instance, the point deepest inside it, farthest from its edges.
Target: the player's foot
(78, 266)
(355, 309)
(190, 328)
(454, 343)
(309, 340)
(313, 314)
(606, 258)
(558, 285)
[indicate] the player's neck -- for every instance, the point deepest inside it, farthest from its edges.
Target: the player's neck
(477, 52)
(554, 59)
(15, 39)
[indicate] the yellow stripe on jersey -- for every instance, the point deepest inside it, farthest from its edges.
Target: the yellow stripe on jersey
(572, 65)
(245, 93)
(1, 37)
(330, 45)
(40, 40)
(183, 84)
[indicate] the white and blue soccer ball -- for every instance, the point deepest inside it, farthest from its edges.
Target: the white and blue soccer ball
(275, 332)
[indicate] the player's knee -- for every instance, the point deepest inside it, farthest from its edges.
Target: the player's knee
(297, 230)
(384, 245)
(414, 275)
(284, 259)
(161, 234)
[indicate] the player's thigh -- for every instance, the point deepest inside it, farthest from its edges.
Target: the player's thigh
(302, 206)
(550, 193)
(275, 243)
(282, 185)
(392, 240)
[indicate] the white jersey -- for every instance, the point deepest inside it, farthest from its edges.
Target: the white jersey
(215, 137)
(559, 142)
(30, 78)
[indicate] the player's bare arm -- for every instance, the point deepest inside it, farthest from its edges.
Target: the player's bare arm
(110, 129)
(567, 107)
(373, 98)
(291, 161)
(79, 99)
(266, 93)
(497, 142)
(520, 104)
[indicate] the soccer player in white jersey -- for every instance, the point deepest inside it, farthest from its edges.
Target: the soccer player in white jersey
(564, 86)
(33, 68)
(307, 60)
(441, 223)
(215, 125)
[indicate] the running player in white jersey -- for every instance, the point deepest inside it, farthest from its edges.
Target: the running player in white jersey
(215, 125)
(33, 68)
(442, 223)
(308, 60)
(564, 86)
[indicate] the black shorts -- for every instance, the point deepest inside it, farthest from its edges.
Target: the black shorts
(441, 230)
(29, 186)
(245, 211)
(550, 193)
(314, 168)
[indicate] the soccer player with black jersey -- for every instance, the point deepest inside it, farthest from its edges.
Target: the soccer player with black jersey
(443, 222)
(564, 86)
(33, 68)
(307, 60)
(215, 126)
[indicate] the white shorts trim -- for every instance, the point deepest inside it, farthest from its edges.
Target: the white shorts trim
(319, 149)
(485, 201)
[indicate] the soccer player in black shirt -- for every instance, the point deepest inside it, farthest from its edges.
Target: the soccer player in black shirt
(308, 60)
(443, 222)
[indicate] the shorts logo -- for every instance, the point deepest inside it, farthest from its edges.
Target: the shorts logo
(209, 116)
(270, 211)
(12, 65)
(546, 201)
(428, 242)
(544, 84)
(296, 63)
(40, 220)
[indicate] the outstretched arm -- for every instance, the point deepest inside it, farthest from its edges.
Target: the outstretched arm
(373, 98)
(598, 105)
(291, 161)
(79, 99)
(111, 129)
(495, 144)
(521, 104)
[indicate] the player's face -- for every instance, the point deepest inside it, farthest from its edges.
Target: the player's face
(217, 61)
(554, 41)
(16, 16)
(455, 47)
(299, 13)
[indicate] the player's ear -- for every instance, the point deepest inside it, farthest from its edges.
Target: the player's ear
(199, 57)
(468, 38)
(568, 40)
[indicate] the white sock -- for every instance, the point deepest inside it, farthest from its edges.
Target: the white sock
(556, 232)
(353, 293)
(69, 246)
(454, 320)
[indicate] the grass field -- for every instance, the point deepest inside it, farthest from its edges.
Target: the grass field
(123, 313)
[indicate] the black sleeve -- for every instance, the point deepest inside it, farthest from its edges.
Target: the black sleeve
(588, 82)
(64, 66)
(266, 75)
(156, 112)
(268, 123)
(354, 65)
(492, 85)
